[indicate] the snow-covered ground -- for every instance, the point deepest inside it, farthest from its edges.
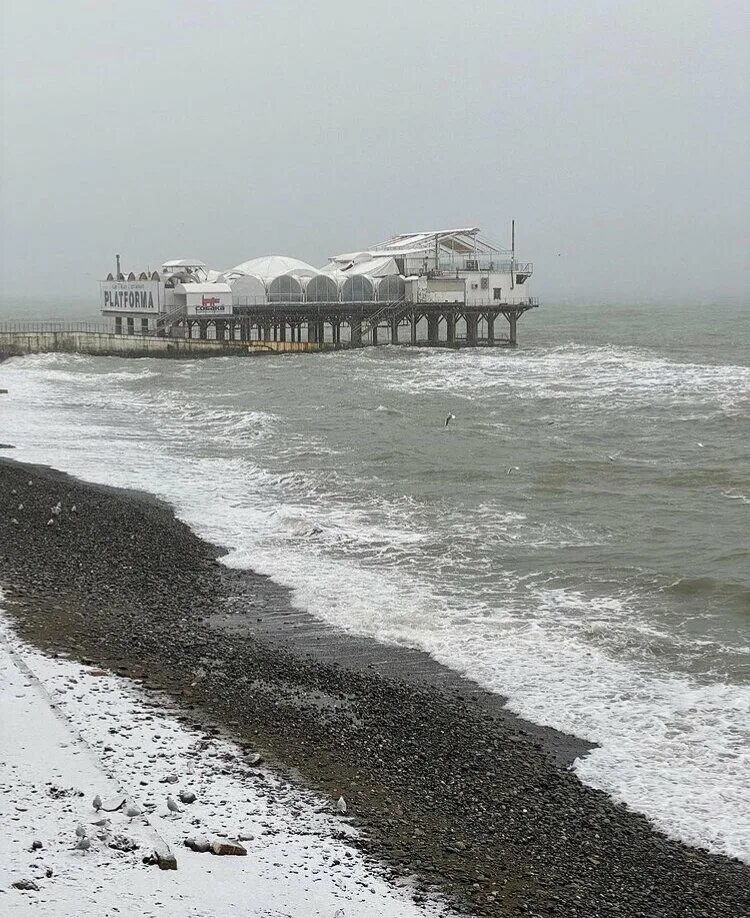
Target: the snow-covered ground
(68, 733)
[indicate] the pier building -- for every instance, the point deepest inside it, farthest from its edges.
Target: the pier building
(439, 288)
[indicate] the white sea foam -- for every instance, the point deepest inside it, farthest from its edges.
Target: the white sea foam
(670, 745)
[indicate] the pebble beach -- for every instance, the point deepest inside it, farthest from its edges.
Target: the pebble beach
(446, 789)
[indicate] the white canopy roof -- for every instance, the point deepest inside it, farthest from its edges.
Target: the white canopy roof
(269, 267)
(380, 266)
(184, 263)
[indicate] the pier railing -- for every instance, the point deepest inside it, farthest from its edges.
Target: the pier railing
(33, 328)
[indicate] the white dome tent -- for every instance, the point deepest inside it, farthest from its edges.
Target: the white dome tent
(269, 267)
(391, 288)
(322, 289)
(247, 289)
(358, 289)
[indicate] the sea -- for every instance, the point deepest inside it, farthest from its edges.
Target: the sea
(576, 539)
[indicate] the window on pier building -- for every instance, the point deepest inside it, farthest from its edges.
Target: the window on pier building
(485, 283)
(144, 326)
(497, 293)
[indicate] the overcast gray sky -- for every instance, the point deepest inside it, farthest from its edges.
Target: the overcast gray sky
(616, 134)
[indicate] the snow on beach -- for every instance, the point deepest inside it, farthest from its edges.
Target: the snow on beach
(70, 732)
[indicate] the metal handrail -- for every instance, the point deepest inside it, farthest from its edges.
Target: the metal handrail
(53, 326)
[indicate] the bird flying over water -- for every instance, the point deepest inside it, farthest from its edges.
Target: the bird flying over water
(451, 417)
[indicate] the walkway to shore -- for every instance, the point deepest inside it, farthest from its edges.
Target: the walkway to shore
(69, 732)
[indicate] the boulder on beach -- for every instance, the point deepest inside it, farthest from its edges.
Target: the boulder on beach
(200, 844)
(226, 846)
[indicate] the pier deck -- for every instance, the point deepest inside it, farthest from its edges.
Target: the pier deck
(277, 328)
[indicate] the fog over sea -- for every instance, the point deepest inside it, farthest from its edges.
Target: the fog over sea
(577, 539)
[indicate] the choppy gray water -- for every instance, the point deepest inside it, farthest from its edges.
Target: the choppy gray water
(603, 584)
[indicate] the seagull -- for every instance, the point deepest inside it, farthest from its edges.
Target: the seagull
(172, 805)
(97, 803)
(700, 444)
(341, 805)
(512, 468)
(451, 417)
(132, 811)
(83, 844)
(611, 458)
(81, 830)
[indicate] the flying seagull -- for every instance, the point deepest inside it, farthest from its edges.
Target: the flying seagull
(451, 417)
(511, 469)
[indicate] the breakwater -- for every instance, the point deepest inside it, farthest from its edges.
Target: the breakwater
(104, 344)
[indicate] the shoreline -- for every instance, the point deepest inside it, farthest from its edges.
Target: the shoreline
(446, 783)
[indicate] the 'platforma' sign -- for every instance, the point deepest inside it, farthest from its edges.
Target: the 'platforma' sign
(130, 296)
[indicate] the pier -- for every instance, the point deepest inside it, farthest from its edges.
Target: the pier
(446, 288)
(335, 325)
(276, 328)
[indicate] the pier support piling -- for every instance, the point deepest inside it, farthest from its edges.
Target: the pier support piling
(512, 321)
(450, 328)
(433, 330)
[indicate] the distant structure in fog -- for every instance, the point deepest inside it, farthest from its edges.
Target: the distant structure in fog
(442, 287)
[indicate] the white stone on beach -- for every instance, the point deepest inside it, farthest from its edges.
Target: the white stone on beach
(57, 509)
(341, 805)
(113, 803)
(50, 522)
